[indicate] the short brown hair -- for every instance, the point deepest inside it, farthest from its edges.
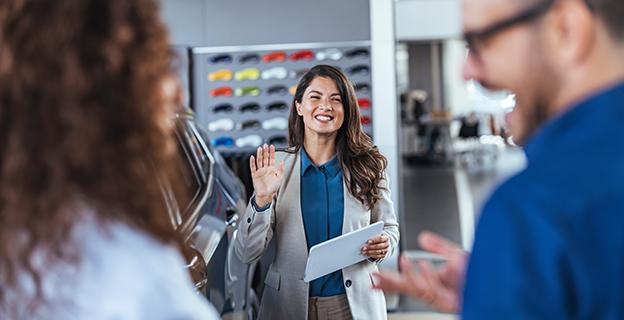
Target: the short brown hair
(611, 12)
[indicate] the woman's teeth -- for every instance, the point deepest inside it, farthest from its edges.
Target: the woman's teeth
(323, 118)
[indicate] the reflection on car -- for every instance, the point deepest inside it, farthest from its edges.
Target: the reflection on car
(206, 220)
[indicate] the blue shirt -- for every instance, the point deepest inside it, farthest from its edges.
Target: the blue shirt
(550, 242)
(322, 207)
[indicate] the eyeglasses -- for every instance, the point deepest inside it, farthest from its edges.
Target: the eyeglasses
(475, 39)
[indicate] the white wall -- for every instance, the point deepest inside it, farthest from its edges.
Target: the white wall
(455, 94)
(438, 20)
(427, 19)
(201, 23)
(385, 110)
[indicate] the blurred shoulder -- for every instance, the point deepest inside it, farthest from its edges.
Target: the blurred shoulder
(130, 271)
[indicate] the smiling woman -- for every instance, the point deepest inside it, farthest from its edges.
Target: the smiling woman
(355, 149)
(330, 181)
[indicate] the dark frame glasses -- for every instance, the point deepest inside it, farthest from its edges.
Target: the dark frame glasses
(479, 36)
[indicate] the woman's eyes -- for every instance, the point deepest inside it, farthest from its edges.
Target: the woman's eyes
(338, 100)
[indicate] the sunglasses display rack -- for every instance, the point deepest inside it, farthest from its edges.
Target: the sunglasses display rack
(242, 95)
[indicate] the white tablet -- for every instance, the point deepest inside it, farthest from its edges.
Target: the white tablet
(337, 253)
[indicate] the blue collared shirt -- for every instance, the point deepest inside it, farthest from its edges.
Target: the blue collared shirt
(550, 241)
(322, 207)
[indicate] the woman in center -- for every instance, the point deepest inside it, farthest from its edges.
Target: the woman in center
(329, 182)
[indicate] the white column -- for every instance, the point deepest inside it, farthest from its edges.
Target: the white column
(385, 108)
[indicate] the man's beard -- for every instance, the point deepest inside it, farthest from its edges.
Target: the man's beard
(542, 86)
(537, 117)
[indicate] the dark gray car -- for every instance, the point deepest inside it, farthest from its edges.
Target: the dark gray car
(207, 221)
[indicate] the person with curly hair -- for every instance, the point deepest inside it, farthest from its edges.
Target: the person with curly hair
(86, 108)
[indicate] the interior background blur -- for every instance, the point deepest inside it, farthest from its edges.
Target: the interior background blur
(445, 138)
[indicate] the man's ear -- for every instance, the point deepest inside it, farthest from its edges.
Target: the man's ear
(574, 32)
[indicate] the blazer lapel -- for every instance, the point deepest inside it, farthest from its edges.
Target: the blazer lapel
(290, 210)
(355, 215)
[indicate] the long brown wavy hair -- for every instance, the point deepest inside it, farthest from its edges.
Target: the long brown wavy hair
(362, 163)
(83, 121)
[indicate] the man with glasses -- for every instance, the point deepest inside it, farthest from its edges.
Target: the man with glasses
(550, 241)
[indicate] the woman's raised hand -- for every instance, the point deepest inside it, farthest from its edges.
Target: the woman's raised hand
(266, 177)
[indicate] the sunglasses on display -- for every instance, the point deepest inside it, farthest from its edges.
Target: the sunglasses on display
(221, 125)
(224, 141)
(250, 107)
(475, 39)
(364, 103)
(366, 120)
(221, 58)
(362, 87)
(361, 70)
(277, 123)
(221, 92)
(278, 140)
(225, 107)
(252, 140)
(275, 73)
(250, 124)
(302, 55)
(331, 54)
(247, 91)
(220, 75)
(274, 56)
(250, 57)
(355, 53)
(277, 90)
(277, 106)
(298, 73)
(247, 74)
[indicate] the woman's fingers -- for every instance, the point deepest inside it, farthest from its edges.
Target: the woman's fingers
(265, 160)
(375, 254)
(378, 246)
(252, 164)
(377, 239)
(259, 158)
(272, 156)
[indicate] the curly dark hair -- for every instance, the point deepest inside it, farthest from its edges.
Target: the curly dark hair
(362, 163)
(83, 121)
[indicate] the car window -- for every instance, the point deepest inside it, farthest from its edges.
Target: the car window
(184, 172)
(198, 146)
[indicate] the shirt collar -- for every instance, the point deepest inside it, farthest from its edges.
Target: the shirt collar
(585, 116)
(332, 166)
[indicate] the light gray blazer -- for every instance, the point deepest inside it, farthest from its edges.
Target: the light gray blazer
(285, 294)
